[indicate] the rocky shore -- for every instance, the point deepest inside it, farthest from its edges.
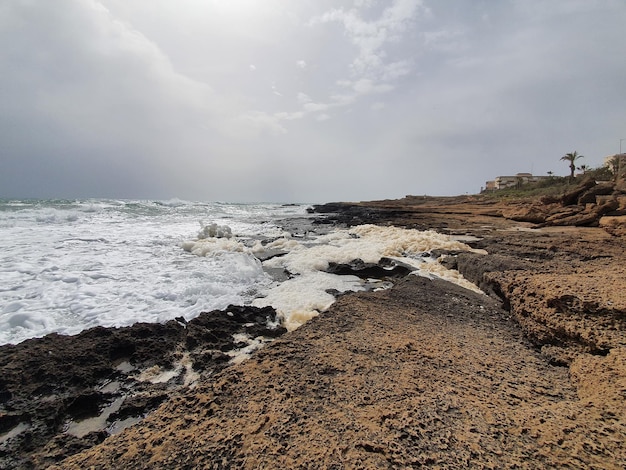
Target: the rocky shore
(530, 375)
(63, 394)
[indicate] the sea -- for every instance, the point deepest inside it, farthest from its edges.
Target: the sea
(69, 265)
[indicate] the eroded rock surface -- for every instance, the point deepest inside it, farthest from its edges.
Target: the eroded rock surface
(425, 373)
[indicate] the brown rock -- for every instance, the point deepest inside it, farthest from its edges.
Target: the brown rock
(578, 216)
(590, 196)
(533, 213)
(615, 225)
(572, 197)
(620, 185)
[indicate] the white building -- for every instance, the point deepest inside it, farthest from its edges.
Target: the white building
(502, 182)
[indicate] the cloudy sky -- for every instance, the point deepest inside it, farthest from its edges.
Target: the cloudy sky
(303, 100)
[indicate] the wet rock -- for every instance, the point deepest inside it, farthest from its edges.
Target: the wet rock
(385, 268)
(84, 405)
(351, 214)
(45, 383)
(137, 405)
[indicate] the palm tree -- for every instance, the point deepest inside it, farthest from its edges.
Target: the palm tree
(571, 158)
(583, 168)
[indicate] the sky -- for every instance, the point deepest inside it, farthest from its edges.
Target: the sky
(303, 100)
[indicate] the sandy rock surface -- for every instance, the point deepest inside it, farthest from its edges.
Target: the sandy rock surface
(425, 374)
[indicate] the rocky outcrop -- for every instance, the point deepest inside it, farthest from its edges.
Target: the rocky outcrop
(535, 213)
(577, 216)
(573, 197)
(582, 309)
(337, 213)
(590, 195)
(584, 206)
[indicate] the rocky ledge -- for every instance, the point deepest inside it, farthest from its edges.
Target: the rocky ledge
(589, 204)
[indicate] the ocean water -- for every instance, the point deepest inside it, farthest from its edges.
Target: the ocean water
(66, 266)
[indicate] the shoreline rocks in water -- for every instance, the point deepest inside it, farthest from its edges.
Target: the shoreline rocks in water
(55, 391)
(424, 373)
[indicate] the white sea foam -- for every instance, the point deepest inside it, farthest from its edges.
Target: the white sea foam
(215, 231)
(303, 297)
(251, 345)
(212, 246)
(306, 295)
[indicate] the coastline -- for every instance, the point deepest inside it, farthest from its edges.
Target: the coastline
(425, 373)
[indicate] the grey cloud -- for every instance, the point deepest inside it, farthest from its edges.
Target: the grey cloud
(98, 96)
(378, 99)
(371, 36)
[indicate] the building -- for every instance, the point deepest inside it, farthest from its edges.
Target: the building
(616, 163)
(502, 182)
(491, 186)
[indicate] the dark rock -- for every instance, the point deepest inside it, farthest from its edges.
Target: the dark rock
(63, 445)
(207, 359)
(269, 254)
(473, 267)
(439, 252)
(9, 421)
(47, 382)
(385, 268)
(449, 261)
(139, 405)
(84, 406)
(346, 214)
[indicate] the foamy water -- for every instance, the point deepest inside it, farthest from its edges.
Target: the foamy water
(304, 296)
(69, 265)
